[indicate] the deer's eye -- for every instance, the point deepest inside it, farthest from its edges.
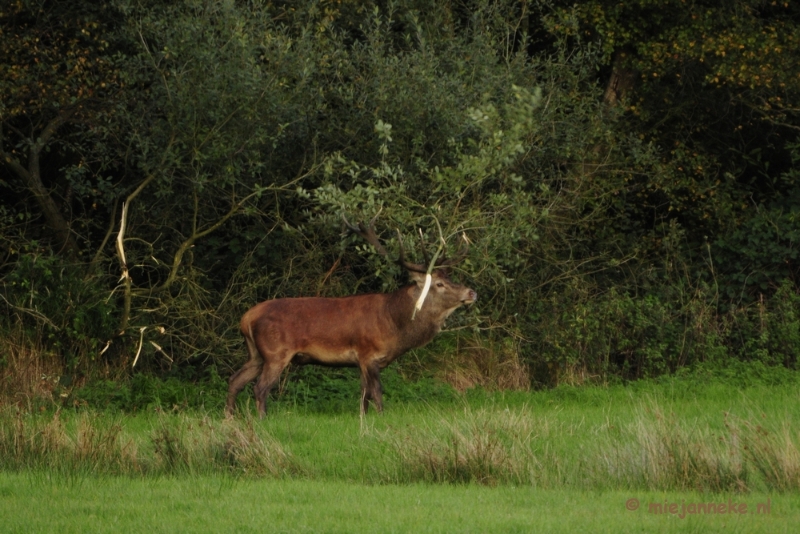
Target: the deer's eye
(439, 284)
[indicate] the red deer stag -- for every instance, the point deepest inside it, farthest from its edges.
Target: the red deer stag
(364, 331)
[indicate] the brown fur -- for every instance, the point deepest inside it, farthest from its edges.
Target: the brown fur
(365, 331)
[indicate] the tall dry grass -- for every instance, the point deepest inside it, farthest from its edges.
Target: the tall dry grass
(658, 451)
(199, 445)
(477, 446)
(30, 442)
(177, 444)
(28, 372)
(653, 451)
(775, 455)
(494, 366)
(650, 449)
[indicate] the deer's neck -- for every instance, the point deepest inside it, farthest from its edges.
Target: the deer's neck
(425, 325)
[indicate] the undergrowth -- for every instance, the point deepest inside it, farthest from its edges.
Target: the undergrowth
(312, 388)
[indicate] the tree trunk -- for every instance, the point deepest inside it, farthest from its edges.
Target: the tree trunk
(52, 215)
(33, 182)
(622, 81)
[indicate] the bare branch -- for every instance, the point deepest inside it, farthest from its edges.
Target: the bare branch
(463, 250)
(120, 240)
(189, 242)
(52, 126)
(30, 311)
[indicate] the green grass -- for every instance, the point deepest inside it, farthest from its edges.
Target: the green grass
(667, 436)
(713, 438)
(560, 460)
(226, 504)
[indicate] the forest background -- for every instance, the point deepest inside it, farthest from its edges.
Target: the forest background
(626, 173)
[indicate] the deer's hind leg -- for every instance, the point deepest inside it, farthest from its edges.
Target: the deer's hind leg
(274, 364)
(243, 376)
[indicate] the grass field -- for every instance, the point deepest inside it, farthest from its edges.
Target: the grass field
(38, 503)
(559, 460)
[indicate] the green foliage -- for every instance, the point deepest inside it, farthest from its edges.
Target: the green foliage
(761, 252)
(610, 238)
(771, 332)
(710, 85)
(310, 389)
(615, 335)
(55, 302)
(55, 56)
(146, 392)
(327, 390)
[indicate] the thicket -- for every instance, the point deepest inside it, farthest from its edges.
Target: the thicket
(626, 174)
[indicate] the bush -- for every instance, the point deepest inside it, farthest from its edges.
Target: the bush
(56, 305)
(145, 391)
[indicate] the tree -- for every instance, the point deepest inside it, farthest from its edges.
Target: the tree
(57, 75)
(716, 88)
